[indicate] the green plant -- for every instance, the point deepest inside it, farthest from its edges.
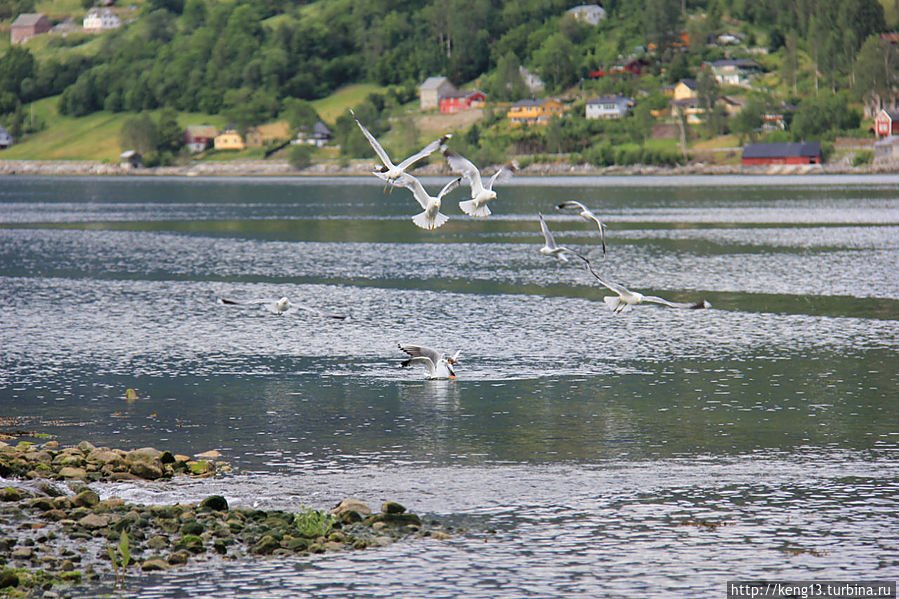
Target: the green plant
(125, 552)
(863, 158)
(313, 523)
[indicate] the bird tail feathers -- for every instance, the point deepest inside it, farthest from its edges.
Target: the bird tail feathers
(471, 208)
(612, 301)
(422, 221)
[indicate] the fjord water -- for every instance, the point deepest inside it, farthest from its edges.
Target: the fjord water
(579, 453)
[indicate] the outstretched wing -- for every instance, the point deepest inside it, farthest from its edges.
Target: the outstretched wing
(255, 302)
(414, 185)
(374, 143)
(449, 187)
(464, 167)
(570, 205)
(420, 351)
(685, 305)
(501, 172)
(426, 151)
(547, 236)
(619, 289)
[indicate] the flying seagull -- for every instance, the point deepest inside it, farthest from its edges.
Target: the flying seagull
(390, 172)
(280, 307)
(431, 218)
(438, 365)
(480, 194)
(587, 214)
(549, 246)
(627, 299)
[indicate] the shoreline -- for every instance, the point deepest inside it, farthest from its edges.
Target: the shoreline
(356, 168)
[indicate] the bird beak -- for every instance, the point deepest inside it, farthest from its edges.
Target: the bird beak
(453, 376)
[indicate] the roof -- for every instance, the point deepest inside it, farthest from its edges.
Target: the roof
(893, 114)
(434, 82)
(462, 93)
(688, 82)
(740, 63)
(201, 130)
(780, 150)
(320, 130)
(530, 102)
(607, 99)
(28, 19)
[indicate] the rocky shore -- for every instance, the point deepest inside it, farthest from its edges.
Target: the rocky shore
(57, 536)
(357, 168)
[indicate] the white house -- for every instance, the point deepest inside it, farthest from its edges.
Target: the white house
(432, 90)
(101, 19)
(320, 136)
(734, 72)
(608, 107)
(588, 13)
(6, 139)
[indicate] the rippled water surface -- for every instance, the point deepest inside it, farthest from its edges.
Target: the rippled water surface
(583, 453)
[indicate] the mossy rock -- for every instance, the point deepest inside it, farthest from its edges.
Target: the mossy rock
(192, 543)
(266, 545)
(216, 503)
(8, 579)
(192, 527)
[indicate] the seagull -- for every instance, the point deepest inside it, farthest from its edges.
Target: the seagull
(587, 214)
(431, 218)
(549, 247)
(390, 172)
(480, 195)
(627, 299)
(280, 307)
(438, 365)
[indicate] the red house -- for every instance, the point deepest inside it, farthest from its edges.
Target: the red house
(886, 123)
(458, 100)
(28, 25)
(806, 152)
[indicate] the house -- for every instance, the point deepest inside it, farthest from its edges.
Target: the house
(130, 159)
(731, 37)
(28, 25)
(228, 139)
(432, 90)
(588, 13)
(537, 112)
(100, 19)
(608, 107)
(887, 149)
(320, 136)
(685, 88)
(198, 137)
(6, 139)
(807, 152)
(734, 72)
(886, 123)
(459, 100)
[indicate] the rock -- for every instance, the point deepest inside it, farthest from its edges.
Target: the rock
(123, 476)
(86, 447)
(333, 546)
(86, 498)
(54, 515)
(51, 445)
(145, 469)
(266, 545)
(351, 505)
(94, 521)
(22, 553)
(167, 458)
(440, 535)
(208, 455)
(144, 453)
(179, 558)
(216, 503)
(8, 578)
(201, 467)
(158, 542)
(192, 527)
(111, 503)
(105, 456)
(154, 564)
(71, 472)
(392, 507)
(10, 494)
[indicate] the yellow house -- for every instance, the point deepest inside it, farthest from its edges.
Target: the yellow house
(229, 139)
(534, 111)
(685, 101)
(685, 88)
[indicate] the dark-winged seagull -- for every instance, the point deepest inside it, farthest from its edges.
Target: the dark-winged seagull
(439, 366)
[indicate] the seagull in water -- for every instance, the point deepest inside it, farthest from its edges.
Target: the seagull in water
(390, 172)
(431, 218)
(438, 365)
(280, 307)
(587, 214)
(549, 245)
(627, 299)
(480, 195)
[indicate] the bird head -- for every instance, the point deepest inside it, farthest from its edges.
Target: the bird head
(282, 304)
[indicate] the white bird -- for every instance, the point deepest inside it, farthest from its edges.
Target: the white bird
(439, 366)
(280, 307)
(549, 244)
(390, 172)
(627, 299)
(431, 218)
(587, 214)
(480, 194)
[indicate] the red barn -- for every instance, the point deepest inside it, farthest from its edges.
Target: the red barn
(28, 25)
(806, 152)
(459, 100)
(886, 123)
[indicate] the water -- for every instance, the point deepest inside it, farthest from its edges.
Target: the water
(582, 453)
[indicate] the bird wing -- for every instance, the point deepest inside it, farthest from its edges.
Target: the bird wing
(420, 351)
(426, 151)
(685, 305)
(619, 289)
(374, 143)
(569, 205)
(495, 176)
(547, 236)
(255, 302)
(449, 187)
(464, 167)
(414, 185)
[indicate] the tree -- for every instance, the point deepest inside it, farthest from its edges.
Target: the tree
(507, 83)
(139, 133)
(790, 64)
(169, 132)
(662, 22)
(874, 66)
(555, 62)
(748, 121)
(299, 113)
(299, 156)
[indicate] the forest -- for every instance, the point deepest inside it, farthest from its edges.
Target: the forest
(250, 60)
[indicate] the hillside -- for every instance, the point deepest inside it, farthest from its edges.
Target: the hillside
(251, 63)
